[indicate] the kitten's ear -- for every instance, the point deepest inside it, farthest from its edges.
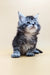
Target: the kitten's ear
(21, 17)
(36, 16)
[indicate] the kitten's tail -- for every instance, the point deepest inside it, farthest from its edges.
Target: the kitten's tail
(39, 50)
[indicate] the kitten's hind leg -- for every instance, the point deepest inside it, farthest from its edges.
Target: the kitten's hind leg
(37, 51)
(30, 53)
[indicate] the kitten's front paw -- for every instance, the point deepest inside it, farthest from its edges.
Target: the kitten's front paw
(16, 54)
(30, 54)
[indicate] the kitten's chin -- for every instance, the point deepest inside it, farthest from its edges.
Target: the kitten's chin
(31, 30)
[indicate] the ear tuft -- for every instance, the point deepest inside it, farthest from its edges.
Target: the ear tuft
(36, 16)
(21, 17)
(20, 14)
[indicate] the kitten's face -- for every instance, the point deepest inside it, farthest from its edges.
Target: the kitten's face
(29, 24)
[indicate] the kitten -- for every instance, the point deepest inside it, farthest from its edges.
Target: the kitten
(25, 40)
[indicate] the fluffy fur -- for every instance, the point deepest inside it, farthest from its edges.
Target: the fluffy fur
(24, 43)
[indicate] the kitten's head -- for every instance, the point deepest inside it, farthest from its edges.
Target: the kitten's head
(29, 24)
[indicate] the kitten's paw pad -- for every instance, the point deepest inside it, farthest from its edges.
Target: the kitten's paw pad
(16, 55)
(30, 54)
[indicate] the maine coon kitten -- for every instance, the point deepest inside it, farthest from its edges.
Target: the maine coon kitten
(24, 43)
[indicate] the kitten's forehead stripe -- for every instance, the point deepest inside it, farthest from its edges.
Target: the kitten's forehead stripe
(30, 17)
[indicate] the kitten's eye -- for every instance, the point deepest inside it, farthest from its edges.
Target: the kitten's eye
(28, 22)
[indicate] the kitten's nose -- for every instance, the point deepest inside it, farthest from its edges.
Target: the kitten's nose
(33, 24)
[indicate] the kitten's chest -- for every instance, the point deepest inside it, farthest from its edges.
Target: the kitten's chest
(27, 45)
(28, 36)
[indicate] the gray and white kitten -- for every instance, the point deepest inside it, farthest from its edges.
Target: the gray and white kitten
(24, 43)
